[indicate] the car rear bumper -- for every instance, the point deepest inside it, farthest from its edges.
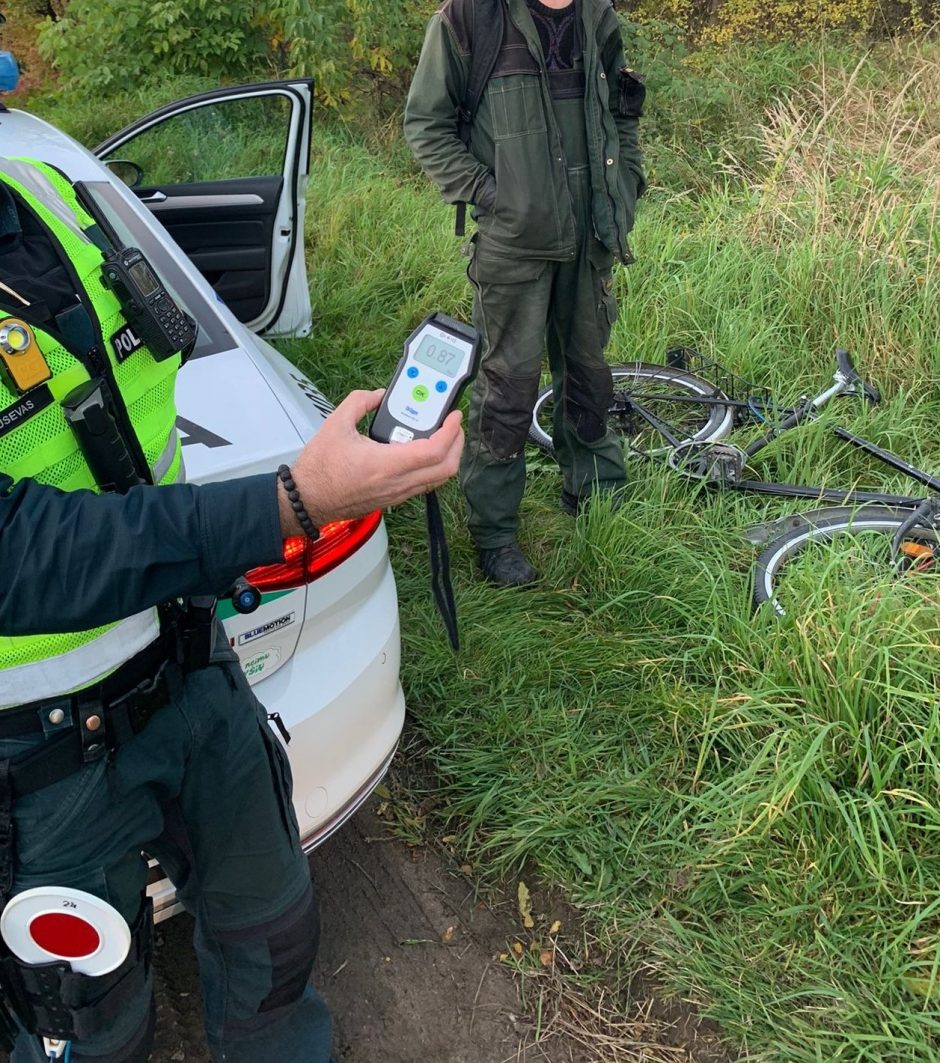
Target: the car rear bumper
(340, 698)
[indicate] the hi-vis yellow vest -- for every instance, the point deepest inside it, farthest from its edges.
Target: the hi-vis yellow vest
(36, 441)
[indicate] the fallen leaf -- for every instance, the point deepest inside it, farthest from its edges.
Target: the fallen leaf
(525, 906)
(517, 948)
(503, 957)
(923, 987)
(547, 957)
(383, 791)
(555, 927)
(466, 869)
(448, 936)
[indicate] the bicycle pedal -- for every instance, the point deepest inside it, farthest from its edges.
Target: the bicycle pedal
(721, 463)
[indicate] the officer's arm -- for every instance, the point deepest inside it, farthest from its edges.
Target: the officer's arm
(627, 97)
(430, 124)
(74, 560)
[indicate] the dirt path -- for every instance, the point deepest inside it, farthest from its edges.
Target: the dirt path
(409, 964)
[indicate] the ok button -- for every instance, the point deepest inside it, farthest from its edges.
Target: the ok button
(420, 393)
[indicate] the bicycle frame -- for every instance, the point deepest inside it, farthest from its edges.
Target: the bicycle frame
(846, 381)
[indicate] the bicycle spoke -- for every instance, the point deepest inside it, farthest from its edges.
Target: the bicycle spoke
(654, 408)
(849, 559)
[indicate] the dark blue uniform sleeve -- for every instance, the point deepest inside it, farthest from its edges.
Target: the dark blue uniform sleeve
(74, 560)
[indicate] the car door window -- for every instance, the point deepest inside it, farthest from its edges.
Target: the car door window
(224, 173)
(214, 142)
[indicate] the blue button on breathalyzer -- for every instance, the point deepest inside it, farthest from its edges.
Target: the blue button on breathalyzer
(412, 372)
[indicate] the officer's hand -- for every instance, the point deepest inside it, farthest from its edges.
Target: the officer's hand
(341, 473)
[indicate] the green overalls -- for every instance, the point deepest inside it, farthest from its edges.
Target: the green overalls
(521, 305)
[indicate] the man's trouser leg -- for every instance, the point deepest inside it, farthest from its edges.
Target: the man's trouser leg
(72, 834)
(582, 313)
(230, 843)
(204, 788)
(510, 308)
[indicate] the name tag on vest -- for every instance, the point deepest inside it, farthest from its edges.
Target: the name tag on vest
(124, 342)
(28, 406)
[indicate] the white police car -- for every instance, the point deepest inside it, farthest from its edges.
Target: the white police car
(212, 190)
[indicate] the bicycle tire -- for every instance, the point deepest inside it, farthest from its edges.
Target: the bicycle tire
(707, 422)
(774, 557)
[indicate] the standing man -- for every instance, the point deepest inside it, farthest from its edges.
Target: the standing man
(126, 723)
(553, 169)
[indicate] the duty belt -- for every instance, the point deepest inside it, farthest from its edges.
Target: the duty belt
(83, 726)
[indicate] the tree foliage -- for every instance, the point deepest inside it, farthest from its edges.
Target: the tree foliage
(722, 21)
(104, 45)
(353, 47)
(363, 51)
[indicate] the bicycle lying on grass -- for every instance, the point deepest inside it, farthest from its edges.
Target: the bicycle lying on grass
(667, 413)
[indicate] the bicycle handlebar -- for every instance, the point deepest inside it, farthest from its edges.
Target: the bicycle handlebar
(845, 364)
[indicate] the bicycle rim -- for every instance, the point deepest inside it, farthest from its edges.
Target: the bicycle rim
(650, 387)
(882, 521)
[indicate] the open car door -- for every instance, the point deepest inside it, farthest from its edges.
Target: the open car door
(225, 172)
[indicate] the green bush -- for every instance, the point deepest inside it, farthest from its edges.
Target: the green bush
(356, 49)
(735, 20)
(104, 46)
(361, 53)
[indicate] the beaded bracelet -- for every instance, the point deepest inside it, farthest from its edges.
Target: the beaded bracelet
(303, 517)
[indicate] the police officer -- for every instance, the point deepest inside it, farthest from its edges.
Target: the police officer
(554, 170)
(125, 722)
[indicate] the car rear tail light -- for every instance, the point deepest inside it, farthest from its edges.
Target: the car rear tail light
(304, 561)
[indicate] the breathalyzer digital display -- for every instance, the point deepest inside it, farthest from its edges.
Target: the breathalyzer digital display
(439, 359)
(437, 354)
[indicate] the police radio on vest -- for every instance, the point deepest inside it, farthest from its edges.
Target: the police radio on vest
(154, 315)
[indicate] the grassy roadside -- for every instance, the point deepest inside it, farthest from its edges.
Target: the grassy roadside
(754, 801)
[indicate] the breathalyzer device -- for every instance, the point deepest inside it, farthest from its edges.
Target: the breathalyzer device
(439, 360)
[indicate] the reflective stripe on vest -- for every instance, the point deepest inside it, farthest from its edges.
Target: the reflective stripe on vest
(81, 666)
(42, 446)
(35, 181)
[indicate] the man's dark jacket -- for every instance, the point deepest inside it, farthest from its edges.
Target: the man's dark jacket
(514, 170)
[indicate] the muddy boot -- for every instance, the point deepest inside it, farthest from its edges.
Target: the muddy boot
(507, 566)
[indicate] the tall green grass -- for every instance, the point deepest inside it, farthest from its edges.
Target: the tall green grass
(753, 800)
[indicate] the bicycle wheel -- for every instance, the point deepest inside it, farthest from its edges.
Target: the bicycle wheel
(668, 397)
(867, 535)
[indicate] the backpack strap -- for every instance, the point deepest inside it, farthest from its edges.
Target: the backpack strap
(487, 36)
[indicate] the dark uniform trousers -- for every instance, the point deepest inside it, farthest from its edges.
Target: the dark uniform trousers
(523, 306)
(205, 788)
